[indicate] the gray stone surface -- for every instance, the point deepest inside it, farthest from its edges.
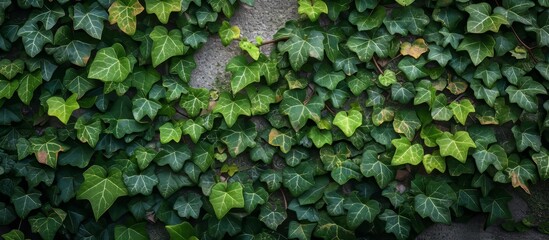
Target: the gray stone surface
(263, 19)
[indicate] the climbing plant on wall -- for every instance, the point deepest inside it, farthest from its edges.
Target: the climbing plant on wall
(369, 118)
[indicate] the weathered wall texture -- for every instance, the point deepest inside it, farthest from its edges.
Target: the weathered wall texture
(263, 19)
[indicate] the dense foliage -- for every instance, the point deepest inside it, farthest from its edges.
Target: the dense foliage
(369, 118)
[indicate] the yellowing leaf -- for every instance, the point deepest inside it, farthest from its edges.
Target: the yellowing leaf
(62, 109)
(414, 49)
(124, 14)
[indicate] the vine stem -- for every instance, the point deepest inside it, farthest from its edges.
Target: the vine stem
(273, 41)
(377, 65)
(182, 113)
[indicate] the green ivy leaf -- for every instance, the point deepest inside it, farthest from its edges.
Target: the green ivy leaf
(25, 202)
(188, 205)
(372, 166)
(359, 211)
(402, 92)
(434, 161)
(124, 14)
(144, 107)
(231, 108)
(14, 234)
(181, 231)
(312, 9)
(282, 139)
(489, 72)
(195, 100)
(397, 224)
(406, 152)
(260, 99)
(368, 22)
(142, 183)
(461, 110)
(174, 155)
(525, 94)
(412, 68)
(406, 122)
(225, 197)
(456, 145)
(169, 132)
(440, 111)
(27, 84)
(203, 155)
(170, 182)
(205, 15)
(101, 189)
(34, 38)
(228, 33)
(166, 44)
(298, 179)
(46, 149)
(193, 129)
(496, 205)
(183, 67)
(327, 78)
(300, 231)
(480, 20)
(88, 131)
(62, 109)
(47, 225)
(348, 122)
(111, 64)
(542, 162)
(239, 137)
(495, 155)
(193, 36)
(243, 74)
(387, 78)
(300, 107)
(365, 46)
(10, 69)
(482, 92)
(272, 214)
(254, 197)
(320, 137)
(436, 202)
(526, 136)
(478, 46)
(90, 19)
(162, 8)
(302, 45)
(136, 231)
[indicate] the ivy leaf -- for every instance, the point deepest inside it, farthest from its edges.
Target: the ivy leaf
(456, 145)
(439, 54)
(203, 155)
(302, 45)
(75, 51)
(193, 36)
(495, 155)
(162, 8)
(284, 140)
(272, 214)
(166, 44)
(434, 161)
(327, 78)
(141, 183)
(25, 202)
(300, 107)
(181, 231)
(193, 129)
(414, 49)
(228, 33)
(46, 149)
(348, 122)
(90, 19)
(482, 92)
(232, 108)
(413, 69)
(439, 110)
(62, 109)
(406, 122)
(195, 100)
(14, 234)
(101, 189)
(174, 155)
(188, 205)
(489, 72)
(496, 205)
(478, 46)
(254, 197)
(542, 161)
(205, 15)
(480, 20)
(526, 136)
(88, 131)
(525, 94)
(461, 110)
(436, 202)
(406, 152)
(365, 46)
(368, 22)
(298, 179)
(516, 11)
(260, 99)
(226, 196)
(239, 137)
(410, 19)
(320, 137)
(169, 132)
(372, 166)
(144, 107)
(170, 182)
(47, 226)
(124, 14)
(359, 211)
(300, 231)
(111, 64)
(312, 9)
(137, 231)
(34, 38)
(183, 67)
(243, 74)
(397, 224)
(10, 69)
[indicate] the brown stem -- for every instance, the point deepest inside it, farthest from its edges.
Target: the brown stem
(377, 65)
(528, 48)
(272, 41)
(285, 201)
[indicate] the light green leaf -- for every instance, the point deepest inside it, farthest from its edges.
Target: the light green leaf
(62, 109)
(231, 108)
(166, 44)
(181, 231)
(47, 226)
(195, 100)
(387, 78)
(406, 122)
(461, 110)
(434, 161)
(90, 19)
(478, 46)
(243, 73)
(111, 64)
(302, 45)
(7, 89)
(124, 14)
(439, 110)
(162, 8)
(46, 149)
(193, 129)
(260, 99)
(456, 145)
(169, 132)
(27, 84)
(282, 139)
(239, 137)
(203, 155)
(225, 197)
(101, 189)
(228, 33)
(320, 137)
(436, 202)
(406, 152)
(480, 20)
(294, 104)
(10, 69)
(312, 9)
(348, 122)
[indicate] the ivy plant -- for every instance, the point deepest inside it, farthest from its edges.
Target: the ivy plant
(368, 119)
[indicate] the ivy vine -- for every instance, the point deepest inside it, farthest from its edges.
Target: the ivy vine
(370, 118)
